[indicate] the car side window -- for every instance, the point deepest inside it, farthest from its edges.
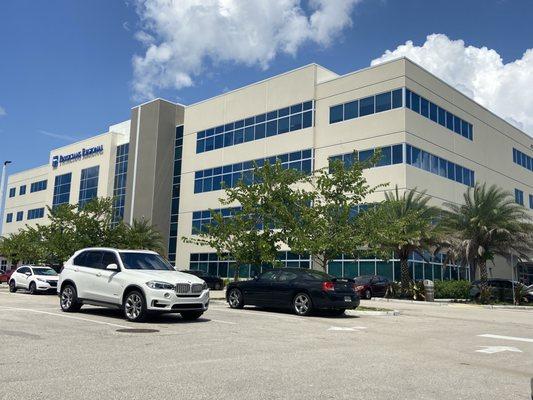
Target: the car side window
(108, 258)
(286, 276)
(94, 259)
(268, 276)
(79, 260)
(23, 270)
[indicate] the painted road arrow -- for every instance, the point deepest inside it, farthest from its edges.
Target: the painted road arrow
(498, 349)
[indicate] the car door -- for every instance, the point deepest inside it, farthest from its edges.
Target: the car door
(257, 292)
(108, 284)
(21, 277)
(282, 288)
(379, 285)
(87, 267)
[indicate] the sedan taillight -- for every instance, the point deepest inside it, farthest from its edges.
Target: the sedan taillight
(328, 286)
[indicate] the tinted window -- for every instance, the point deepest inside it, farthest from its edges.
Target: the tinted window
(80, 259)
(268, 276)
(109, 258)
(287, 276)
(317, 276)
(146, 261)
(93, 259)
(363, 280)
(23, 270)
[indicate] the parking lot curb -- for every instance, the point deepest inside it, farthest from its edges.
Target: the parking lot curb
(427, 303)
(393, 313)
(498, 307)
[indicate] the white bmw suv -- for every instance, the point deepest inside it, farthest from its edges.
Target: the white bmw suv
(136, 281)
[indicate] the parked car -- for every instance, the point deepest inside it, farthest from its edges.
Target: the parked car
(371, 285)
(502, 289)
(214, 282)
(5, 275)
(137, 281)
(301, 290)
(33, 278)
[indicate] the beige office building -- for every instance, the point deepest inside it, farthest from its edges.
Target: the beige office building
(169, 162)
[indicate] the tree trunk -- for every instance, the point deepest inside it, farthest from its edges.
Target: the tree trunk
(405, 278)
(484, 290)
(321, 261)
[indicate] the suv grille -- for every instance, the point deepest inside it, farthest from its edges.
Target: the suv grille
(52, 283)
(197, 287)
(183, 288)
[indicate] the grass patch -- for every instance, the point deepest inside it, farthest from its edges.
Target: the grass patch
(363, 308)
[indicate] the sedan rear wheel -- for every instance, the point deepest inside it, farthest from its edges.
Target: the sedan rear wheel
(368, 294)
(235, 299)
(218, 286)
(302, 304)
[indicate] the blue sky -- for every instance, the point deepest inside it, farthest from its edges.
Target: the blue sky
(66, 70)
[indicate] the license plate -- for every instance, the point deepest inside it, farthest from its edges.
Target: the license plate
(347, 298)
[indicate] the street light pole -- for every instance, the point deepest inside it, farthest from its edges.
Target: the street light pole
(2, 182)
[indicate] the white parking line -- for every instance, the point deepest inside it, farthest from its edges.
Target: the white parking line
(3, 308)
(518, 339)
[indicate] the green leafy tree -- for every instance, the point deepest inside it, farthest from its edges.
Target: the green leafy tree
(489, 223)
(25, 246)
(269, 205)
(140, 235)
(329, 226)
(403, 224)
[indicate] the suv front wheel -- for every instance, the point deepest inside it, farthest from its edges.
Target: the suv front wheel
(135, 306)
(69, 299)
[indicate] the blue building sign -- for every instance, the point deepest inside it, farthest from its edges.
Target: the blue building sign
(79, 155)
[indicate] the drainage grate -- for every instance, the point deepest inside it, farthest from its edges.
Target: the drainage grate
(137, 330)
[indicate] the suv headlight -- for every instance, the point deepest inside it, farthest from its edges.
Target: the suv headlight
(41, 279)
(204, 286)
(160, 285)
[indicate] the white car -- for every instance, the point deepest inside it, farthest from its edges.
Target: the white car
(136, 281)
(33, 278)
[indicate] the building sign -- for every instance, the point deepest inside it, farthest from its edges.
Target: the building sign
(79, 155)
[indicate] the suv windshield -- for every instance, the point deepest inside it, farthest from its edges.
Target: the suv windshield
(44, 271)
(145, 261)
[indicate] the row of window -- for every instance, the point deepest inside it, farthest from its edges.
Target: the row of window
(522, 159)
(88, 185)
(439, 166)
(366, 106)
(210, 263)
(390, 155)
(119, 185)
(417, 158)
(175, 202)
(228, 175)
(288, 119)
(345, 267)
(34, 187)
(38, 186)
(438, 114)
(519, 198)
(32, 214)
(202, 219)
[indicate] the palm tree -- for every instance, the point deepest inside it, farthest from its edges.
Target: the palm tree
(403, 224)
(142, 235)
(489, 223)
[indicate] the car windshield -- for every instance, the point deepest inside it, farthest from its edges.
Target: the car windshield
(363, 279)
(44, 271)
(145, 261)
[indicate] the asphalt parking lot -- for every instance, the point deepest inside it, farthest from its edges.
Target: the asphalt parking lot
(427, 352)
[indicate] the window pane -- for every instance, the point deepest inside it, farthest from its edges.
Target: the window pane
(424, 107)
(433, 112)
(351, 110)
(397, 154)
(335, 114)
(366, 106)
(415, 102)
(397, 98)
(383, 102)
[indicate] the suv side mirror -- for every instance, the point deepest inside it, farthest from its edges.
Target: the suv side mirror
(112, 267)
(27, 273)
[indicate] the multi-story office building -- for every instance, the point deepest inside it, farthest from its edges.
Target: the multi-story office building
(169, 161)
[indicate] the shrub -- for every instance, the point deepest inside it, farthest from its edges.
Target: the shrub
(452, 289)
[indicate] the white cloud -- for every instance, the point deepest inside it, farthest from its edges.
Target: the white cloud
(182, 38)
(2, 111)
(58, 136)
(480, 73)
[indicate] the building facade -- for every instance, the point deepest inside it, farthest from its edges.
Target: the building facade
(169, 161)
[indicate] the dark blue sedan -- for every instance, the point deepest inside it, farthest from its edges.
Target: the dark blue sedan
(301, 290)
